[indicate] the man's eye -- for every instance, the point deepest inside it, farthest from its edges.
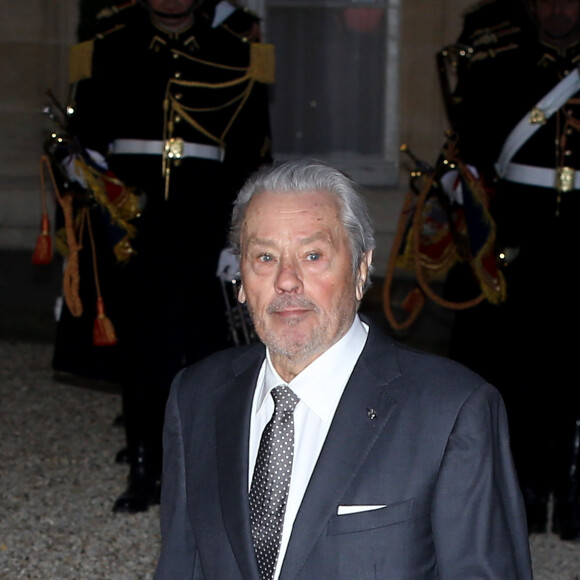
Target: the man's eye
(265, 258)
(313, 256)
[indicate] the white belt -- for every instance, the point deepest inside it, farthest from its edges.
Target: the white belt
(565, 179)
(152, 147)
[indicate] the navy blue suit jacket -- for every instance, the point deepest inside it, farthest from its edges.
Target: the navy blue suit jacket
(435, 452)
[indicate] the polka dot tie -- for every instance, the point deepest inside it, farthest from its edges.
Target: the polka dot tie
(271, 480)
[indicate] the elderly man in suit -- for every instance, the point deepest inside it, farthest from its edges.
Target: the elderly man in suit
(330, 451)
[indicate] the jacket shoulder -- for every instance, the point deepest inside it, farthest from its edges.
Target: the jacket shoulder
(418, 371)
(111, 35)
(222, 366)
(234, 18)
(437, 391)
(112, 17)
(433, 369)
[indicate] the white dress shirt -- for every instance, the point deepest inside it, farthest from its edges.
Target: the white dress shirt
(319, 387)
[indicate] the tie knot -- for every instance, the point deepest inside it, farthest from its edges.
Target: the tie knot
(285, 399)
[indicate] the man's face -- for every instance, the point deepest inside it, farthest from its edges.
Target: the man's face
(558, 19)
(297, 276)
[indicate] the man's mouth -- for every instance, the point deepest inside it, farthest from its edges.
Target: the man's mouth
(291, 307)
(292, 311)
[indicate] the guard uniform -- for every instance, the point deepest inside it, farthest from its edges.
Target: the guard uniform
(183, 120)
(525, 347)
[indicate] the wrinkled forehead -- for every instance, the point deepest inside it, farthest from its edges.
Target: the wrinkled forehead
(270, 209)
(281, 200)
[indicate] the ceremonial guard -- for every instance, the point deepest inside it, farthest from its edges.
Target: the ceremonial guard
(170, 105)
(516, 110)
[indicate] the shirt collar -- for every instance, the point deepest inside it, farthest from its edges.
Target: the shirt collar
(321, 383)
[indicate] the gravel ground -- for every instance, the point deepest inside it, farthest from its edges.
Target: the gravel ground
(59, 481)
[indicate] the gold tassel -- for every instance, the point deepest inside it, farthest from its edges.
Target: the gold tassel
(43, 249)
(71, 278)
(103, 330)
(414, 301)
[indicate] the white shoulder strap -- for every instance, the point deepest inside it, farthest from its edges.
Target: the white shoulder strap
(535, 118)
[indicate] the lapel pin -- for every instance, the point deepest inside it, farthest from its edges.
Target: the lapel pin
(371, 413)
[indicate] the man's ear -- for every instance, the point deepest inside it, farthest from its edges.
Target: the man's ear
(241, 294)
(363, 272)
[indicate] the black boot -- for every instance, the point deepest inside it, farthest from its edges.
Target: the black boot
(122, 457)
(536, 510)
(566, 517)
(143, 406)
(566, 520)
(144, 487)
(535, 484)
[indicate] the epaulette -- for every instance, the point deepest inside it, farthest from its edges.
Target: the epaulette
(484, 21)
(262, 62)
(100, 35)
(114, 10)
(80, 64)
(242, 23)
(117, 16)
(492, 52)
(493, 35)
(81, 54)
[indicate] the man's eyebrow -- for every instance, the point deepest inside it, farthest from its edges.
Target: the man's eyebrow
(321, 236)
(253, 241)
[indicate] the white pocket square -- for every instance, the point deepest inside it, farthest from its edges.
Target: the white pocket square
(355, 509)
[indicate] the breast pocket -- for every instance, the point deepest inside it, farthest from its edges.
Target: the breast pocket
(389, 515)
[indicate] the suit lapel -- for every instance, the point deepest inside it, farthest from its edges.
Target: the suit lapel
(233, 409)
(364, 410)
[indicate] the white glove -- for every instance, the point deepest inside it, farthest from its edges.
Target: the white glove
(228, 266)
(75, 174)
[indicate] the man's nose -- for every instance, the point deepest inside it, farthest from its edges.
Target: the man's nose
(288, 278)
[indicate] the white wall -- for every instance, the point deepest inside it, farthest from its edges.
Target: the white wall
(34, 36)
